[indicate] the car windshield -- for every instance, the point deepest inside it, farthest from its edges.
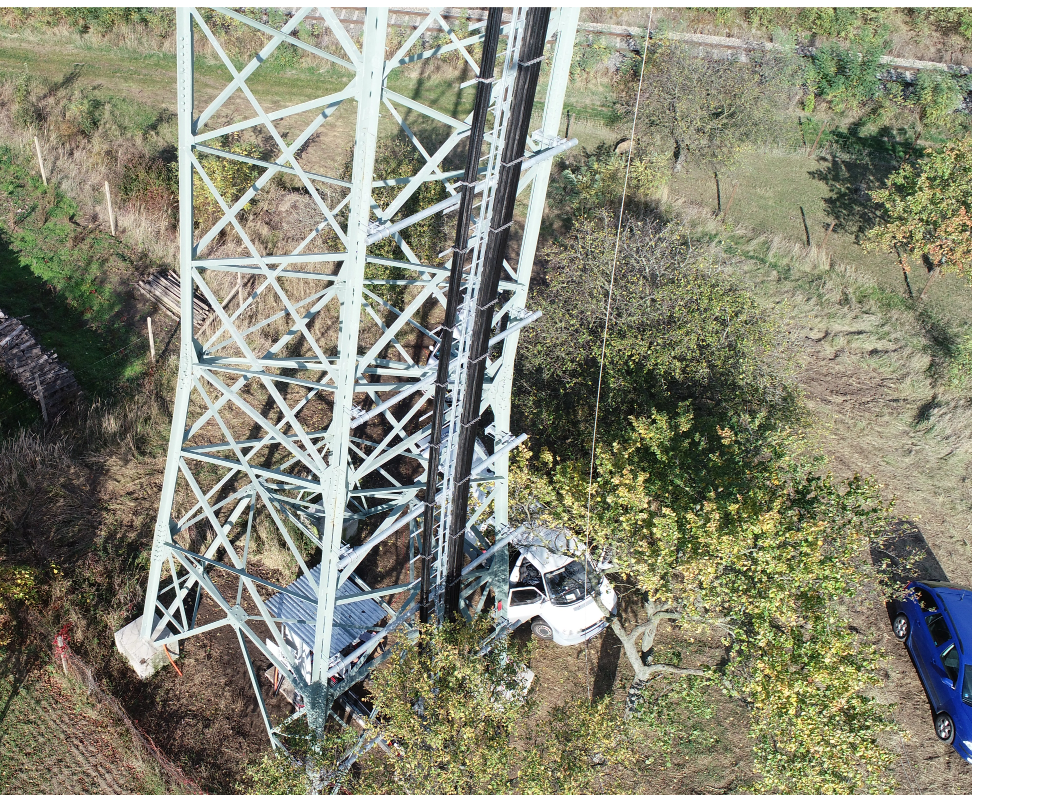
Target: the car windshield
(566, 585)
(966, 686)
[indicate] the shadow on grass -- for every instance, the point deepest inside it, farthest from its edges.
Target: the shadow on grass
(100, 358)
(859, 164)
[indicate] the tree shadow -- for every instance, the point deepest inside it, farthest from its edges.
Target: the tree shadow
(609, 656)
(905, 555)
(16, 665)
(858, 164)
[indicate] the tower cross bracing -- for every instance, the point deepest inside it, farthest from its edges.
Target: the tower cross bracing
(308, 408)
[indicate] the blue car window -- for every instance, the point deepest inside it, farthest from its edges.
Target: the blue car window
(951, 661)
(966, 686)
(939, 631)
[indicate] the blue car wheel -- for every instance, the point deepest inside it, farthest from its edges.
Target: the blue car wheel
(944, 727)
(901, 626)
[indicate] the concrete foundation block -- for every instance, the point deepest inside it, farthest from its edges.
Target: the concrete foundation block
(145, 656)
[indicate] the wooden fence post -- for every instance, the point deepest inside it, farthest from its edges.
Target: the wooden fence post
(110, 210)
(816, 140)
(40, 397)
(40, 160)
(151, 340)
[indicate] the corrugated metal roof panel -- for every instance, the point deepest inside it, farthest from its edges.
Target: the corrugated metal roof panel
(351, 620)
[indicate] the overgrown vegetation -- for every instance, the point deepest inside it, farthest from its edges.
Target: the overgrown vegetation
(724, 531)
(454, 717)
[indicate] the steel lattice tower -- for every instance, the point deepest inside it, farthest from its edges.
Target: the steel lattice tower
(337, 404)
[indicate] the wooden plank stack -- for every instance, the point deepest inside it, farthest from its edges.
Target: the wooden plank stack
(28, 364)
(164, 288)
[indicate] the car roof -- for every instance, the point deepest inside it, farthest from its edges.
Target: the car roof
(546, 547)
(958, 604)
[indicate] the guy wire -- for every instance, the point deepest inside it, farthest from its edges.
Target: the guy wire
(606, 330)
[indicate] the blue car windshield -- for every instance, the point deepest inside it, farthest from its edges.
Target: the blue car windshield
(966, 686)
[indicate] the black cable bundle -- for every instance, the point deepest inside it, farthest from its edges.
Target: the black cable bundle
(530, 59)
(459, 258)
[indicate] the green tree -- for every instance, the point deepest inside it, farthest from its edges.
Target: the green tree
(765, 555)
(927, 212)
(679, 330)
(454, 721)
(704, 111)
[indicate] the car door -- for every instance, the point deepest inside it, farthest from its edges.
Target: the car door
(921, 625)
(949, 672)
(936, 656)
(525, 602)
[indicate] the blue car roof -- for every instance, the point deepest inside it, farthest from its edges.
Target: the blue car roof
(958, 604)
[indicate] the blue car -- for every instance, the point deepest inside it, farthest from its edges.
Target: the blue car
(935, 623)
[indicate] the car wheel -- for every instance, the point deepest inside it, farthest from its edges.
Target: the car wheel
(944, 727)
(901, 626)
(541, 629)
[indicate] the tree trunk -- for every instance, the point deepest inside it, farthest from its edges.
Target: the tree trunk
(678, 157)
(640, 654)
(904, 273)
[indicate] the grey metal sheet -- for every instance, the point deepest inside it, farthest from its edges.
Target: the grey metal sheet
(351, 620)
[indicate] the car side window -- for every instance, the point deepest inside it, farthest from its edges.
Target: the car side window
(936, 624)
(951, 661)
(925, 600)
(524, 596)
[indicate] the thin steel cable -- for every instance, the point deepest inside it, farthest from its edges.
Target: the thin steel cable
(606, 328)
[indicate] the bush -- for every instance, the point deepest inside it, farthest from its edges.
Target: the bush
(846, 77)
(937, 96)
(595, 180)
(231, 178)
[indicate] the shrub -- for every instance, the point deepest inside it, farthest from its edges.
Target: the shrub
(937, 96)
(846, 77)
(231, 178)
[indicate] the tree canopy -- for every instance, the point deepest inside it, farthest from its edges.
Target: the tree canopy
(679, 330)
(776, 567)
(456, 720)
(927, 210)
(703, 110)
